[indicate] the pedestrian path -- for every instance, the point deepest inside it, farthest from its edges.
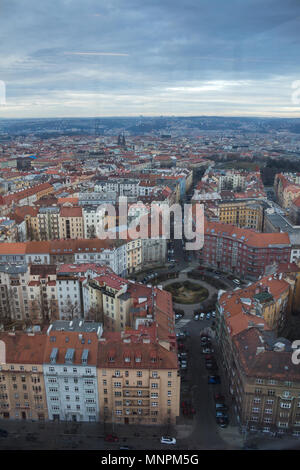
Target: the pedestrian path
(182, 323)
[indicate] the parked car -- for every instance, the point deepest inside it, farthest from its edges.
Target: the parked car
(211, 366)
(204, 339)
(219, 398)
(180, 335)
(207, 351)
(196, 317)
(209, 357)
(3, 433)
(111, 438)
(202, 316)
(223, 422)
(167, 440)
(208, 316)
(221, 414)
(214, 379)
(236, 281)
(221, 407)
(182, 354)
(213, 314)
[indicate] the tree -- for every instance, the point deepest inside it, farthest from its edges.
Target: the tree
(91, 231)
(70, 311)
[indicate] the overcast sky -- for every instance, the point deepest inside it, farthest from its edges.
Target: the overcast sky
(149, 57)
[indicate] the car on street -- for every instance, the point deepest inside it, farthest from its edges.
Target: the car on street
(167, 440)
(213, 379)
(208, 316)
(211, 366)
(219, 398)
(236, 281)
(111, 438)
(178, 316)
(182, 354)
(221, 407)
(196, 317)
(181, 335)
(202, 316)
(221, 414)
(207, 350)
(222, 421)
(213, 314)
(3, 433)
(209, 357)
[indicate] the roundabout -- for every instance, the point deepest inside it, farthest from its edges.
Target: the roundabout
(187, 292)
(183, 295)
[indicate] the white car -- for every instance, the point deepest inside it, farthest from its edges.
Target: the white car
(213, 314)
(236, 281)
(167, 440)
(202, 316)
(207, 351)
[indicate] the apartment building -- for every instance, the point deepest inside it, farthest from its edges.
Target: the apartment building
(242, 251)
(265, 384)
(138, 379)
(14, 304)
(70, 371)
(287, 188)
(22, 389)
(48, 223)
(43, 306)
(71, 281)
(263, 381)
(245, 214)
(71, 223)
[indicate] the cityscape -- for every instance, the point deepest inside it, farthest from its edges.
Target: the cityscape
(122, 333)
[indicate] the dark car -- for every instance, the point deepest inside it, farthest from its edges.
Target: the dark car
(221, 407)
(222, 415)
(223, 422)
(111, 438)
(213, 379)
(209, 357)
(211, 366)
(3, 433)
(219, 398)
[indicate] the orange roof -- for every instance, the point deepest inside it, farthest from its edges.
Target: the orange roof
(22, 348)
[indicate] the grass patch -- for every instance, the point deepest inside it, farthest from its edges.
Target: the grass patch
(187, 292)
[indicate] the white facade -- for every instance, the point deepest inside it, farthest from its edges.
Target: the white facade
(115, 258)
(71, 391)
(69, 298)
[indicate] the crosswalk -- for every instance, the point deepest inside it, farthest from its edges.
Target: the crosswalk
(182, 323)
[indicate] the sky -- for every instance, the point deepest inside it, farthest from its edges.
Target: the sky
(87, 58)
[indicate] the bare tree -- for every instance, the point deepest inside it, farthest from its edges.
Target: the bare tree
(71, 310)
